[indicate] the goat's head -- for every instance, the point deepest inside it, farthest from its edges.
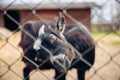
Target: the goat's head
(60, 53)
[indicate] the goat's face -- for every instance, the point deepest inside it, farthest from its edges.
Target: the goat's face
(59, 52)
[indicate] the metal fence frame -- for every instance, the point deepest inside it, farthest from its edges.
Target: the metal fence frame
(64, 10)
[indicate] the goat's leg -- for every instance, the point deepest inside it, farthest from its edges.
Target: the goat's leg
(81, 74)
(27, 70)
(59, 75)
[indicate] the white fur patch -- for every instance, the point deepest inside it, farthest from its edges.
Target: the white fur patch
(59, 56)
(37, 44)
(41, 30)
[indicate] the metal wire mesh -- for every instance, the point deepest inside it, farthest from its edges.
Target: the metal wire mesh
(107, 62)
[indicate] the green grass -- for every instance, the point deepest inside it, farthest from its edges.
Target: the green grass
(117, 42)
(97, 32)
(113, 38)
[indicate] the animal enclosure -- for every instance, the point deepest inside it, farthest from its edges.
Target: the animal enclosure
(107, 53)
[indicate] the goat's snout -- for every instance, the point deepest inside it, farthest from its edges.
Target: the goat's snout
(60, 62)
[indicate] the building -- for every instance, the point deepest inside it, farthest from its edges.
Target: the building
(23, 12)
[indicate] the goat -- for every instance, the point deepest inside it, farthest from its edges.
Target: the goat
(40, 43)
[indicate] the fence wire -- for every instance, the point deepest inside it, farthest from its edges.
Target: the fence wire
(107, 42)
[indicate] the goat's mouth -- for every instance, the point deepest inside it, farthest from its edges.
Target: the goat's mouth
(60, 67)
(60, 62)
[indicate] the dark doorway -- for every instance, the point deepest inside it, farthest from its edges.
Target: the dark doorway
(9, 23)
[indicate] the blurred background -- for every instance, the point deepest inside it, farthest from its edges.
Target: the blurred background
(101, 17)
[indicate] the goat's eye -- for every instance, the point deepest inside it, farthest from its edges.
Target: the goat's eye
(52, 39)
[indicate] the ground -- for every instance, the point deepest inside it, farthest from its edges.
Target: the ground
(106, 66)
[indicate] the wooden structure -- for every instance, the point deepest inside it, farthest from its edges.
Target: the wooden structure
(21, 13)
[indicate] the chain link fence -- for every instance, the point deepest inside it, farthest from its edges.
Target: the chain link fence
(106, 36)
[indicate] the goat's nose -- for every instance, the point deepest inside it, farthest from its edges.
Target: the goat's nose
(59, 66)
(58, 61)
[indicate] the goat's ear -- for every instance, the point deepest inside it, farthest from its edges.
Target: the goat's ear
(61, 23)
(41, 30)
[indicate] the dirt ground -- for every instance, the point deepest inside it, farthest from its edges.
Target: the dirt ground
(106, 66)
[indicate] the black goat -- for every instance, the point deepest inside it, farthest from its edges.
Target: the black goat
(36, 36)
